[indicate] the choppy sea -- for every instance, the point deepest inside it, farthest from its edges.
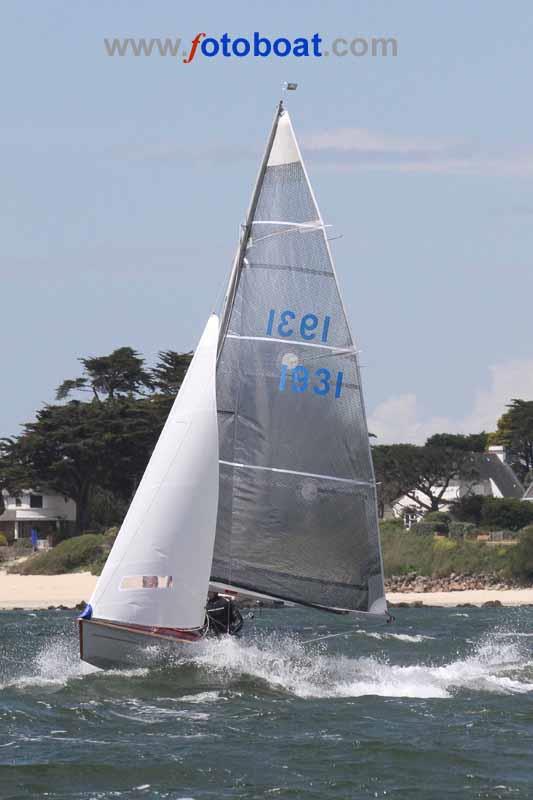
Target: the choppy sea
(438, 705)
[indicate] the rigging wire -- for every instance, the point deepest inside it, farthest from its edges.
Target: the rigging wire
(329, 636)
(390, 619)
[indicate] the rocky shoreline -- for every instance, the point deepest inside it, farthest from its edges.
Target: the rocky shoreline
(412, 582)
(62, 592)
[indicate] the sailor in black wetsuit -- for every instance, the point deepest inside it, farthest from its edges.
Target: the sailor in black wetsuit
(223, 615)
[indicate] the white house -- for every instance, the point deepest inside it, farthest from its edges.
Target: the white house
(45, 512)
(494, 478)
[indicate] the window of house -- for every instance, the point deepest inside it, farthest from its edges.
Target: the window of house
(36, 501)
(410, 518)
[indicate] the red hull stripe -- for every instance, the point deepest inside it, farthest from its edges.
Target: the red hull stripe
(154, 630)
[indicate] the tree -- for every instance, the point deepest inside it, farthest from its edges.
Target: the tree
(515, 433)
(52, 454)
(12, 471)
(388, 486)
(96, 452)
(77, 447)
(472, 442)
(423, 474)
(168, 374)
(119, 374)
(468, 508)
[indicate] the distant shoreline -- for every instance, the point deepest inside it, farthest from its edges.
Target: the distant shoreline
(474, 597)
(33, 592)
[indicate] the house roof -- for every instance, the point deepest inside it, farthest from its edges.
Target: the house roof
(491, 474)
(490, 467)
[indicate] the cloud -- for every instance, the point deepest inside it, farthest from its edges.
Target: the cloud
(401, 419)
(365, 141)
(347, 149)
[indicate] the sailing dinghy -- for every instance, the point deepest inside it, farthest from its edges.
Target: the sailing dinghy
(261, 482)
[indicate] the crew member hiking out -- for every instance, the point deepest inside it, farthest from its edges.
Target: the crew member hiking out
(223, 615)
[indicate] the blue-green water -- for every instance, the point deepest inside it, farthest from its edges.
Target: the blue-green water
(440, 705)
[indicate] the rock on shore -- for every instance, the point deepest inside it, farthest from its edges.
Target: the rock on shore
(411, 582)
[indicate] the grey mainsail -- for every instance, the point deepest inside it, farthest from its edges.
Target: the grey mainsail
(297, 513)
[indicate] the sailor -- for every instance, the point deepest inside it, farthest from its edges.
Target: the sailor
(223, 614)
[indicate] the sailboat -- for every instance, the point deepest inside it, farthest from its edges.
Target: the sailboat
(261, 482)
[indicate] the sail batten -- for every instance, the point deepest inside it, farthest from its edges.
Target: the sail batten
(290, 410)
(338, 350)
(296, 472)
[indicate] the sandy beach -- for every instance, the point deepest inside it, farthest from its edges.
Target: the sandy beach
(476, 597)
(41, 591)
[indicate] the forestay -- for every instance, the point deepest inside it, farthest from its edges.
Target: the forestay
(297, 505)
(158, 571)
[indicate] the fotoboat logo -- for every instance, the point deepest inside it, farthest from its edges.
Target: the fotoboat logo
(203, 45)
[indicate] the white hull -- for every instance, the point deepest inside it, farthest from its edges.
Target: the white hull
(115, 646)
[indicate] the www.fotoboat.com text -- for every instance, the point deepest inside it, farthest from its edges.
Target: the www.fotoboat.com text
(256, 45)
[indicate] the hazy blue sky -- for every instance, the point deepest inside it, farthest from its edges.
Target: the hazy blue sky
(123, 182)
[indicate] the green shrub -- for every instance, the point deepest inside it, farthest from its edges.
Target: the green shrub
(65, 531)
(410, 552)
(72, 555)
(424, 528)
(442, 545)
(3, 539)
(440, 521)
(391, 525)
(493, 513)
(96, 566)
(440, 517)
(21, 547)
(505, 513)
(404, 551)
(110, 536)
(522, 555)
(460, 530)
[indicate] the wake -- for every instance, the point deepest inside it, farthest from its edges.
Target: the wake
(55, 664)
(501, 663)
(281, 663)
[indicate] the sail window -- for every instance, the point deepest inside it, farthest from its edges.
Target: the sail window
(146, 582)
(290, 360)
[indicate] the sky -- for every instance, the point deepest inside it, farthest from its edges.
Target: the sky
(124, 181)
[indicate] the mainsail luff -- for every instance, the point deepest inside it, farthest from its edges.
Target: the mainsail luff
(271, 510)
(245, 235)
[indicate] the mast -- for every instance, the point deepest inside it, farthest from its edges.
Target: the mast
(245, 234)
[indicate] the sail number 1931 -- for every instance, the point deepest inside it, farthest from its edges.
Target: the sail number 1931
(309, 326)
(319, 381)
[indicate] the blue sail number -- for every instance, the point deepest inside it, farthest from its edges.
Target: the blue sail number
(287, 324)
(302, 380)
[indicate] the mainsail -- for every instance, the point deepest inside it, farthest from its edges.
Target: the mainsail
(157, 573)
(297, 515)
